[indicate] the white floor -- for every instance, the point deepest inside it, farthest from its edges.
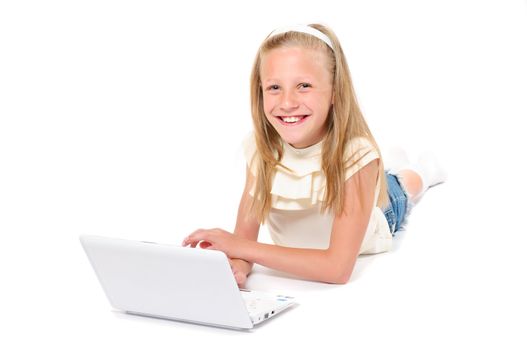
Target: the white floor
(107, 111)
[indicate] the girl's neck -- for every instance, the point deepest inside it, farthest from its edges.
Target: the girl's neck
(315, 148)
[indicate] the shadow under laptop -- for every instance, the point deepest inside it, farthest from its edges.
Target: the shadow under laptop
(181, 324)
(196, 326)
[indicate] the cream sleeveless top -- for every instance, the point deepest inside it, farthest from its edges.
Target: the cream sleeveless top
(295, 219)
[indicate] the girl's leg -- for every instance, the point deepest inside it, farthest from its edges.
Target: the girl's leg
(417, 177)
(407, 183)
(412, 182)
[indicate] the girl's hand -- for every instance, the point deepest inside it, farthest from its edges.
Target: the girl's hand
(217, 239)
(240, 269)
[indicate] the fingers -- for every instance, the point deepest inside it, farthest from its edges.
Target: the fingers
(204, 245)
(239, 275)
(193, 239)
(200, 237)
(240, 278)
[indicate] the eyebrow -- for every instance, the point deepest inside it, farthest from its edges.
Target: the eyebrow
(267, 81)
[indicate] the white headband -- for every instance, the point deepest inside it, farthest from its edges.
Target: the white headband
(303, 29)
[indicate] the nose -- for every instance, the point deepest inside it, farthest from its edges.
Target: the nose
(288, 101)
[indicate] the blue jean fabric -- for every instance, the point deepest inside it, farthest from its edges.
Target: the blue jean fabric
(398, 207)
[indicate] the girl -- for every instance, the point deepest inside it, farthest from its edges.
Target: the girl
(314, 174)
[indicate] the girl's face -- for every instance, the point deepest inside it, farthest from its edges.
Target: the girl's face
(297, 93)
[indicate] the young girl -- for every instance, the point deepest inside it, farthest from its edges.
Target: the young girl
(314, 174)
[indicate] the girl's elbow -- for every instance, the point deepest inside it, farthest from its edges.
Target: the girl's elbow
(341, 276)
(340, 271)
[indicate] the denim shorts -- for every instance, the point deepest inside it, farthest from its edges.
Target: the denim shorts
(398, 207)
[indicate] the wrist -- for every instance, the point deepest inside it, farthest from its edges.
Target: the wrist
(243, 265)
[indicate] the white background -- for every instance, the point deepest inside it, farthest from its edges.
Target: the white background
(124, 118)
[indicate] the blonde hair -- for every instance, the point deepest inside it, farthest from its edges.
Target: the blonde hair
(345, 122)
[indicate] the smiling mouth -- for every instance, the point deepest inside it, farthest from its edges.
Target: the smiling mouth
(292, 119)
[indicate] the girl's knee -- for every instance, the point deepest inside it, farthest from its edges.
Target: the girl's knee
(412, 182)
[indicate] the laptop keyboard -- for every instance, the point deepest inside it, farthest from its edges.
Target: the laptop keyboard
(259, 305)
(258, 302)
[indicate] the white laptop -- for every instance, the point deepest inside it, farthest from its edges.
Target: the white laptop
(178, 283)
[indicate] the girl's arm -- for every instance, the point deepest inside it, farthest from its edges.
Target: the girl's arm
(246, 227)
(333, 265)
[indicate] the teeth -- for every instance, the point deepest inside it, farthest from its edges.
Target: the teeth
(291, 119)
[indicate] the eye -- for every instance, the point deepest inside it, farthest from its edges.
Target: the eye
(304, 85)
(273, 87)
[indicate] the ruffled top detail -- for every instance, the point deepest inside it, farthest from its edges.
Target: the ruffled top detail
(295, 219)
(303, 184)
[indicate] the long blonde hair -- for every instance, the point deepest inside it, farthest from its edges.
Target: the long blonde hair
(345, 122)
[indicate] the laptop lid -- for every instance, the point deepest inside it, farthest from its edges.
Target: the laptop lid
(167, 281)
